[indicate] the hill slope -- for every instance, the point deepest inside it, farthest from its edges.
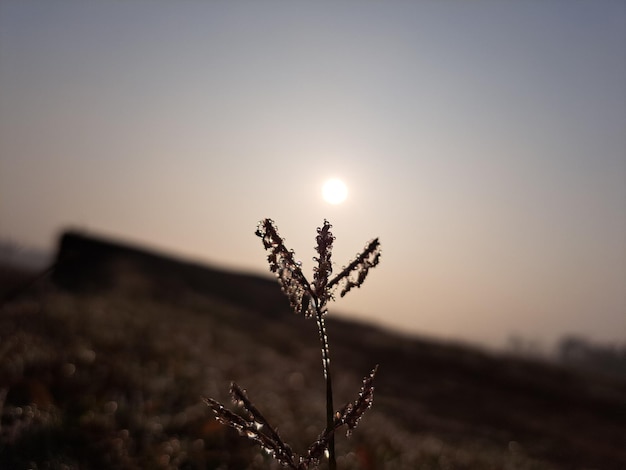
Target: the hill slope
(108, 373)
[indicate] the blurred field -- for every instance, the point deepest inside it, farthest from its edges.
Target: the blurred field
(107, 370)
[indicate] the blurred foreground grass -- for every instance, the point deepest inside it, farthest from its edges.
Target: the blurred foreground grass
(115, 380)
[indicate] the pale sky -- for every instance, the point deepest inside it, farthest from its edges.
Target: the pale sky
(484, 142)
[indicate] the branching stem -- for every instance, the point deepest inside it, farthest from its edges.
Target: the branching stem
(310, 300)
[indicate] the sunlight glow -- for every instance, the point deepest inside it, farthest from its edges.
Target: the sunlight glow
(334, 191)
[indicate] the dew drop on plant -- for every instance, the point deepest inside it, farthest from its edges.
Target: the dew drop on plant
(68, 369)
(110, 407)
(198, 445)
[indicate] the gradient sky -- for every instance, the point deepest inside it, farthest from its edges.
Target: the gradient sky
(484, 142)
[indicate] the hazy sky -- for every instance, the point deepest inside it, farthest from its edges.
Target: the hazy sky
(484, 142)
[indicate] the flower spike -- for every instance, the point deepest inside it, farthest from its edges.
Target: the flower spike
(287, 269)
(355, 273)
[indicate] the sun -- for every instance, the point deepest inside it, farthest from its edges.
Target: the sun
(334, 191)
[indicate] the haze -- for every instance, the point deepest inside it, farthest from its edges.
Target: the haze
(484, 142)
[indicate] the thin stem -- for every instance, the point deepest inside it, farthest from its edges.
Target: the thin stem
(332, 462)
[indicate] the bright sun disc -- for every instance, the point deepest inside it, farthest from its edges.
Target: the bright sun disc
(334, 191)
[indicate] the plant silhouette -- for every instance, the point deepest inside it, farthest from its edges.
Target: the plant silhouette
(310, 300)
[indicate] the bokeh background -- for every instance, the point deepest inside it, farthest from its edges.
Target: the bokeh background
(483, 142)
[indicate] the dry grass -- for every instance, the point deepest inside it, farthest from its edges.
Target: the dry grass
(115, 382)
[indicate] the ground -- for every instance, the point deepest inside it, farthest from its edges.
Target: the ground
(115, 378)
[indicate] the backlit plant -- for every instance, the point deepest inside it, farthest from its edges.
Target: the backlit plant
(310, 300)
